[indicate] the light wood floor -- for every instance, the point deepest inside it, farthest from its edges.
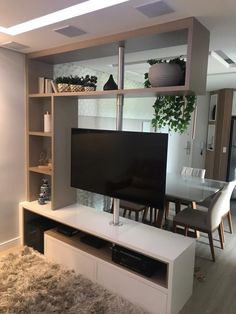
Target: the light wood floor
(217, 294)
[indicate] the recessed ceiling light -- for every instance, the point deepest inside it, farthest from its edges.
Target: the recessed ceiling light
(61, 15)
(220, 56)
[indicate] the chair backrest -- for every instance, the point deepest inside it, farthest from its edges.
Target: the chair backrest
(220, 205)
(186, 171)
(227, 190)
(214, 213)
(199, 172)
(195, 172)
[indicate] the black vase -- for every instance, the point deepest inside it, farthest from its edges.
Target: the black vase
(110, 84)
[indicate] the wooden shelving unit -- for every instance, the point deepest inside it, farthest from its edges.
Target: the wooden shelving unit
(63, 107)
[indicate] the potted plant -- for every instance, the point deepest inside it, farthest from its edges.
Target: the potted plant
(63, 83)
(173, 111)
(76, 83)
(90, 83)
(165, 72)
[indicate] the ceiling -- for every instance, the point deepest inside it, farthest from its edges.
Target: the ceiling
(218, 16)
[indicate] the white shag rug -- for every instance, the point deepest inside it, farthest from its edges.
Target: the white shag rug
(30, 284)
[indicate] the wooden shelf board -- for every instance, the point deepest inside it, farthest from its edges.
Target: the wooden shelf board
(38, 133)
(136, 92)
(39, 170)
(40, 95)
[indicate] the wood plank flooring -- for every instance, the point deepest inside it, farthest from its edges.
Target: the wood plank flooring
(217, 294)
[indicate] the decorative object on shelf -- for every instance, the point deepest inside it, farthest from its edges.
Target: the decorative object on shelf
(44, 195)
(165, 72)
(90, 83)
(42, 160)
(63, 84)
(173, 111)
(76, 83)
(47, 122)
(110, 84)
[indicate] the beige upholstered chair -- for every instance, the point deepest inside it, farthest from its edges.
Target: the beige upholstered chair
(208, 220)
(226, 213)
(195, 172)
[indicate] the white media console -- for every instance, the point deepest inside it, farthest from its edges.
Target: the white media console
(165, 292)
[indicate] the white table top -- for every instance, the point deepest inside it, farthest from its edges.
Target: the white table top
(151, 241)
(191, 188)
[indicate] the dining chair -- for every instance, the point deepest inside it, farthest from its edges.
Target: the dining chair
(204, 221)
(226, 211)
(186, 171)
(132, 207)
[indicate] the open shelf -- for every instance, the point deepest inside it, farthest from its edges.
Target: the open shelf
(41, 170)
(105, 253)
(38, 133)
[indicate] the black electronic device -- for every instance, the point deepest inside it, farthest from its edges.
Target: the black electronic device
(137, 262)
(125, 165)
(93, 241)
(66, 230)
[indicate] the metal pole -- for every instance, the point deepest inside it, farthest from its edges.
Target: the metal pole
(119, 118)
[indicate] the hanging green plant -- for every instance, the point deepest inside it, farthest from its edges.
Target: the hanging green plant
(173, 111)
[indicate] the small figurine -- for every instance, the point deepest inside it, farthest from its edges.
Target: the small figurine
(44, 195)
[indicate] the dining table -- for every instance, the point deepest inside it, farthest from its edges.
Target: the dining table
(187, 189)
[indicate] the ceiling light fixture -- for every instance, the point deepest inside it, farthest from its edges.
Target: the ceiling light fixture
(220, 56)
(61, 15)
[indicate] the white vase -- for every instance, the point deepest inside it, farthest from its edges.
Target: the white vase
(165, 74)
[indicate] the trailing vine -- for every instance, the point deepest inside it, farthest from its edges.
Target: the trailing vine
(173, 111)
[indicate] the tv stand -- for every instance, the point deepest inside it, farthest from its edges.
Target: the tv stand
(163, 293)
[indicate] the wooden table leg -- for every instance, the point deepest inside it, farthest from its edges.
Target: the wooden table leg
(159, 219)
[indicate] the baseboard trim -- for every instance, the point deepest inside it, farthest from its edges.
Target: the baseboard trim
(9, 244)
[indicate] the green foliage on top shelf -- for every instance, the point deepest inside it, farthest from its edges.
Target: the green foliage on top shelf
(63, 80)
(179, 60)
(76, 80)
(90, 81)
(173, 111)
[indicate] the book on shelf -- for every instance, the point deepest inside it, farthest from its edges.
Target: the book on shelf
(41, 85)
(46, 85)
(54, 87)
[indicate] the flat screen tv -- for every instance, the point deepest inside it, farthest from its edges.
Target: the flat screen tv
(125, 165)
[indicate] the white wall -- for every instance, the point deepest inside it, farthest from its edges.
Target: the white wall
(12, 123)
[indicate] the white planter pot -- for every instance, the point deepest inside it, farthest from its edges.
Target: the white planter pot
(165, 74)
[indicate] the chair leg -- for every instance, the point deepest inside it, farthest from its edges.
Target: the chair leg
(230, 222)
(124, 213)
(174, 227)
(145, 212)
(186, 231)
(177, 207)
(167, 209)
(137, 216)
(221, 234)
(211, 246)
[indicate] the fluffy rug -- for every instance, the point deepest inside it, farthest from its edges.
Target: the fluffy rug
(30, 284)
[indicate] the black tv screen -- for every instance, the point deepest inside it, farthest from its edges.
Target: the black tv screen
(125, 165)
